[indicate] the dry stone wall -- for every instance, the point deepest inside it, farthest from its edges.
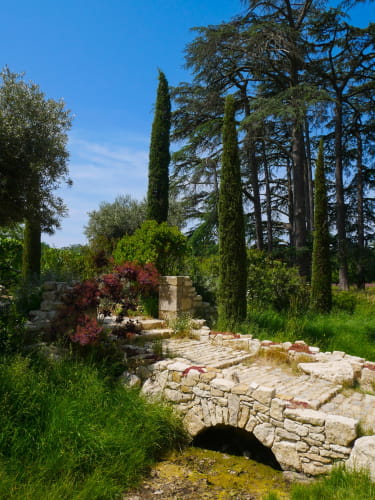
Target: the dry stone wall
(302, 440)
(177, 295)
(51, 304)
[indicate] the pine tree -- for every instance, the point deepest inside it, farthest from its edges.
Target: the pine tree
(232, 249)
(321, 293)
(158, 175)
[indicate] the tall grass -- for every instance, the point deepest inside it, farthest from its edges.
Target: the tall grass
(350, 327)
(66, 433)
(339, 485)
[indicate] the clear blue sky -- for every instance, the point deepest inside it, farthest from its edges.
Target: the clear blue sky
(102, 57)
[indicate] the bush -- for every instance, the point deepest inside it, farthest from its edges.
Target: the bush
(344, 301)
(271, 283)
(66, 264)
(161, 244)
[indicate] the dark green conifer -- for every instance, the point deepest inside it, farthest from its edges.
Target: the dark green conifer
(158, 174)
(321, 293)
(232, 248)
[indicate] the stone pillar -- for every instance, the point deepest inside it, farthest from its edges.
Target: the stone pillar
(177, 295)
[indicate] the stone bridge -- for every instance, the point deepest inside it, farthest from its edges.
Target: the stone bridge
(309, 408)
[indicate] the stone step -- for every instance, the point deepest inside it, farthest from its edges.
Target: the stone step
(155, 333)
(354, 405)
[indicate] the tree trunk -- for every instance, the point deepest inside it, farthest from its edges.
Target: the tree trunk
(253, 171)
(268, 200)
(360, 219)
(31, 250)
(302, 258)
(309, 181)
(290, 203)
(253, 168)
(340, 202)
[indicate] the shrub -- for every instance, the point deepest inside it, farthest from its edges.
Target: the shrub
(271, 283)
(160, 244)
(344, 301)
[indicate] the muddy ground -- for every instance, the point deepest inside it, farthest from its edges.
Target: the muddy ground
(199, 474)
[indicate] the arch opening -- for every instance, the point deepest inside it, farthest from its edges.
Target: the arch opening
(235, 441)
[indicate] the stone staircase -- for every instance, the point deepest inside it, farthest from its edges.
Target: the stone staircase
(303, 390)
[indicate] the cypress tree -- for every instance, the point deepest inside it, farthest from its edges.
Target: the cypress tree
(232, 248)
(321, 293)
(158, 175)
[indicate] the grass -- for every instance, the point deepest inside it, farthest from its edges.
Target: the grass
(352, 331)
(67, 433)
(339, 485)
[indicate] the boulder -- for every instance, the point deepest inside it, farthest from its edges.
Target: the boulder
(362, 456)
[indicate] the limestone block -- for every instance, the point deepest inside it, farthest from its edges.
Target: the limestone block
(264, 395)
(338, 372)
(176, 396)
(208, 376)
(340, 430)
(292, 426)
(315, 457)
(340, 449)
(302, 447)
(233, 407)
(193, 424)
(185, 388)
(50, 295)
(265, 433)
(240, 388)
(251, 423)
(221, 401)
(49, 285)
(287, 455)
(201, 394)
(260, 409)
(216, 392)
(316, 469)
(317, 436)
(222, 384)
(243, 416)
(282, 435)
(219, 414)
(306, 416)
(212, 410)
(173, 385)
(47, 305)
(277, 408)
(206, 412)
(367, 380)
(363, 455)
(178, 366)
(225, 416)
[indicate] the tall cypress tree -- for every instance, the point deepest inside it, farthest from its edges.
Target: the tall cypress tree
(232, 248)
(158, 175)
(321, 293)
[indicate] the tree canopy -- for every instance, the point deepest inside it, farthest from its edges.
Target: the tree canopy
(33, 153)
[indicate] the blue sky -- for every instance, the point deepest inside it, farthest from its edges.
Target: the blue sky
(102, 58)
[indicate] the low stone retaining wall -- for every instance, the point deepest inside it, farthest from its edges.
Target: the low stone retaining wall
(52, 295)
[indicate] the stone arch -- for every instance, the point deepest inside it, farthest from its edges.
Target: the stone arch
(235, 441)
